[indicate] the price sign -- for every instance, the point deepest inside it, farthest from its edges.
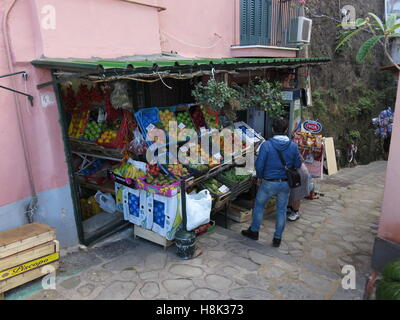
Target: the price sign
(184, 149)
(181, 126)
(223, 189)
(153, 147)
(217, 156)
(150, 127)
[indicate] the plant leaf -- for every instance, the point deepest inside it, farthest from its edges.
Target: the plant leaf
(367, 47)
(346, 38)
(394, 35)
(393, 28)
(391, 21)
(378, 21)
(360, 22)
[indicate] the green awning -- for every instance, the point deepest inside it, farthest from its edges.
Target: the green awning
(112, 69)
(149, 66)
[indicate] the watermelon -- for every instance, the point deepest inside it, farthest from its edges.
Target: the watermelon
(391, 272)
(387, 290)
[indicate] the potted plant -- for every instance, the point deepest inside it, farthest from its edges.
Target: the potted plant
(216, 97)
(263, 95)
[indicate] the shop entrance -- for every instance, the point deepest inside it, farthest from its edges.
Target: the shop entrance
(96, 136)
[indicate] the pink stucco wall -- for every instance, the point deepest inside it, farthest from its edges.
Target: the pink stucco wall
(211, 24)
(389, 225)
(84, 29)
(41, 124)
(100, 28)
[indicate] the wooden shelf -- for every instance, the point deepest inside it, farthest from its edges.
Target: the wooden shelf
(108, 187)
(95, 150)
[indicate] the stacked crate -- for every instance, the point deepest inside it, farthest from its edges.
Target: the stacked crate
(25, 254)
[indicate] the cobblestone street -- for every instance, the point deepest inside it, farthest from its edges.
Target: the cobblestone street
(334, 230)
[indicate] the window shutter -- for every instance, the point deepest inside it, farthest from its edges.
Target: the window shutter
(244, 38)
(254, 22)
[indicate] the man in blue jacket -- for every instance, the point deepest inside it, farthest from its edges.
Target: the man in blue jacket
(270, 169)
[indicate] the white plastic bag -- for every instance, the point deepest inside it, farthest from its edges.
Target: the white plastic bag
(198, 209)
(106, 201)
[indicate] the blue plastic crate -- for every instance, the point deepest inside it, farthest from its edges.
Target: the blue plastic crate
(147, 116)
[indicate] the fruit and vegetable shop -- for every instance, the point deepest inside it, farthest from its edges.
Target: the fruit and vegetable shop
(138, 132)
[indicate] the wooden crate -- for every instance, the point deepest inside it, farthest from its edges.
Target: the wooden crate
(248, 204)
(239, 214)
(25, 237)
(23, 278)
(29, 255)
(152, 236)
(24, 253)
(271, 207)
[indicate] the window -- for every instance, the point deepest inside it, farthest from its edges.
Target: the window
(255, 20)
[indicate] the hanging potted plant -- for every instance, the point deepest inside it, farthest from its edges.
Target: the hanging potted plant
(215, 98)
(264, 95)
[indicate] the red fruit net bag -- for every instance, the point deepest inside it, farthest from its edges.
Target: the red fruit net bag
(138, 144)
(124, 134)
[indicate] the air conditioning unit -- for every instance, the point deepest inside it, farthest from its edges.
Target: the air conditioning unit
(300, 30)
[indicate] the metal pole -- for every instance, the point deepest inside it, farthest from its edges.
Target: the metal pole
(30, 98)
(183, 199)
(12, 74)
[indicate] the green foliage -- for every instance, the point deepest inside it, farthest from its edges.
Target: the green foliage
(391, 22)
(346, 37)
(378, 21)
(366, 104)
(391, 271)
(340, 34)
(354, 135)
(215, 94)
(319, 104)
(388, 290)
(367, 47)
(389, 287)
(380, 34)
(265, 95)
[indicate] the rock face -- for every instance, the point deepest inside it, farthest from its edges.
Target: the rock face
(343, 81)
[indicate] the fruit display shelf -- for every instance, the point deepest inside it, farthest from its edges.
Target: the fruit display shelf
(149, 119)
(210, 174)
(211, 117)
(128, 182)
(166, 114)
(185, 124)
(166, 191)
(107, 187)
(95, 150)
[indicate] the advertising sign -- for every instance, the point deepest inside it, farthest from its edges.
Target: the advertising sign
(312, 126)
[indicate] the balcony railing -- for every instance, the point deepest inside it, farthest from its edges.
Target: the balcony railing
(266, 22)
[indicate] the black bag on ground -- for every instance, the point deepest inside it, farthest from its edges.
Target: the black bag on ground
(294, 178)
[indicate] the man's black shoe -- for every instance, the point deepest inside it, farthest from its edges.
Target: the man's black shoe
(250, 234)
(276, 242)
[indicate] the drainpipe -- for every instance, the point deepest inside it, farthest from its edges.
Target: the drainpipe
(32, 206)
